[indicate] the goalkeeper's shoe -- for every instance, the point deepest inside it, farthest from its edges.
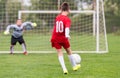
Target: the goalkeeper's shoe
(11, 53)
(25, 53)
(65, 71)
(75, 68)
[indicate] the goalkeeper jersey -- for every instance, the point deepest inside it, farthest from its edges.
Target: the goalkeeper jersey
(17, 30)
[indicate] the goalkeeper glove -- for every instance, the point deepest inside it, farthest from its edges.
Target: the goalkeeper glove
(6, 32)
(34, 24)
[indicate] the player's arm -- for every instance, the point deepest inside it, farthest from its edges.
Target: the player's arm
(31, 24)
(6, 32)
(67, 32)
(67, 28)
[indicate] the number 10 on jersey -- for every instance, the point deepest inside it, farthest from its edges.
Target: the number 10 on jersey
(59, 26)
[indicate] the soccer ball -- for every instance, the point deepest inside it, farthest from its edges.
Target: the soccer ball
(77, 58)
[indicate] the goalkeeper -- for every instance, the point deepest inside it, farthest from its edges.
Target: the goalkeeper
(17, 35)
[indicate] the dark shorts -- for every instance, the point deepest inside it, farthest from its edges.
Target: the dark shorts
(15, 40)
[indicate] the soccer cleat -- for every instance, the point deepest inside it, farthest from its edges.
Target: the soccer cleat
(65, 71)
(78, 66)
(75, 68)
(25, 53)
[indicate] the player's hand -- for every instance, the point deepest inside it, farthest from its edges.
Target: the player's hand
(34, 24)
(68, 36)
(6, 32)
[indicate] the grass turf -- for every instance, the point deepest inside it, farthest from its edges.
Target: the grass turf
(38, 42)
(47, 65)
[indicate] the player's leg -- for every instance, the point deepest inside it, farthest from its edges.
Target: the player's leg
(69, 52)
(11, 49)
(22, 42)
(66, 46)
(61, 60)
(24, 48)
(75, 66)
(60, 56)
(13, 42)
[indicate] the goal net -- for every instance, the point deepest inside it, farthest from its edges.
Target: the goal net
(88, 31)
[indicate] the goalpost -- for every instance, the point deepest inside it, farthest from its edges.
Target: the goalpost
(88, 30)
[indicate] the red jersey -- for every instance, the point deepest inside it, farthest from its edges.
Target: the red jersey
(61, 22)
(58, 34)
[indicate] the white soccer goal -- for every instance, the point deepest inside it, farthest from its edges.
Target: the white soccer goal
(88, 30)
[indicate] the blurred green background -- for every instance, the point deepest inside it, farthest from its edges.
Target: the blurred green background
(9, 11)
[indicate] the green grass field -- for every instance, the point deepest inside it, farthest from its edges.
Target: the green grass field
(38, 42)
(47, 65)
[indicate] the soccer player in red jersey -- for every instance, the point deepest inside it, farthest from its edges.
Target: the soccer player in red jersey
(60, 37)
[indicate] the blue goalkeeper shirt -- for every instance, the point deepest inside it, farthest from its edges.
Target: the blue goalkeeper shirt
(17, 30)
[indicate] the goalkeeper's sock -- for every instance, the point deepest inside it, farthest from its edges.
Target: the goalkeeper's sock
(62, 63)
(72, 60)
(24, 47)
(11, 49)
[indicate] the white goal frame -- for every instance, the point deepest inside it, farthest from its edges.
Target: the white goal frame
(95, 28)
